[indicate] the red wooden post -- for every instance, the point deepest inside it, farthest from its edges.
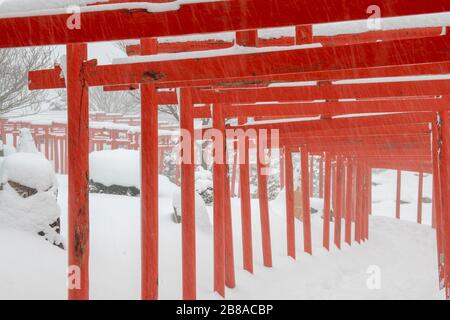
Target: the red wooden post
(264, 204)
(398, 196)
(149, 193)
(246, 210)
(437, 203)
(444, 178)
(419, 198)
(359, 201)
(78, 136)
(188, 197)
(234, 173)
(230, 279)
(365, 211)
(321, 177)
(290, 215)
(333, 187)
(338, 211)
(306, 208)
(311, 176)
(327, 202)
(219, 197)
(348, 202)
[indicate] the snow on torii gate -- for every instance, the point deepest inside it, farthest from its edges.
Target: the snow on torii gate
(76, 55)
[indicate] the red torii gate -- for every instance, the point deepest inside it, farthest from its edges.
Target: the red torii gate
(78, 93)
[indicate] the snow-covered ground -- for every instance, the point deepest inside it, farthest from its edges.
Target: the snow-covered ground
(404, 253)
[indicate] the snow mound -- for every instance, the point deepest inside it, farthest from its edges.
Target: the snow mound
(122, 168)
(116, 167)
(34, 213)
(28, 169)
(202, 220)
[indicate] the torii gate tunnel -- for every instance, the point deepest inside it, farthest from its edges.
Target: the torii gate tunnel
(401, 125)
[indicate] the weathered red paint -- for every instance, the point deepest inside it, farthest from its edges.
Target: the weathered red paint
(219, 214)
(78, 137)
(348, 201)
(359, 201)
(246, 210)
(226, 16)
(188, 201)
(230, 278)
(290, 216)
(149, 193)
(264, 205)
(437, 204)
(444, 178)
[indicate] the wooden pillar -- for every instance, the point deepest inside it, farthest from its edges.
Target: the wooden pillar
(234, 173)
(188, 197)
(264, 204)
(290, 215)
(230, 278)
(78, 137)
(333, 186)
(359, 201)
(149, 192)
(327, 202)
(338, 211)
(365, 212)
(437, 203)
(348, 202)
(246, 210)
(321, 177)
(219, 198)
(306, 208)
(419, 198)
(445, 191)
(398, 196)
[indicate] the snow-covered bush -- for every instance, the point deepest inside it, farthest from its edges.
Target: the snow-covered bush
(28, 190)
(115, 172)
(118, 172)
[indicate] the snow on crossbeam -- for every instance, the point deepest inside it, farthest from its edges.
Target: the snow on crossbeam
(227, 16)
